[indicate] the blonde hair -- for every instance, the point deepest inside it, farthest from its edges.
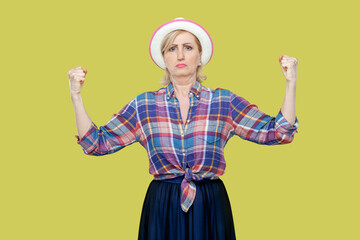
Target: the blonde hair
(165, 44)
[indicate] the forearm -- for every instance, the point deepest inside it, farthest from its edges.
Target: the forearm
(83, 121)
(288, 107)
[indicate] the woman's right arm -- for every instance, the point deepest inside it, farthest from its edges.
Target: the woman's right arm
(119, 132)
(76, 81)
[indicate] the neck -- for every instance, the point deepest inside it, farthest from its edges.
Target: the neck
(182, 88)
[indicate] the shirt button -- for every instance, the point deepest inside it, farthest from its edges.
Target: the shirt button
(182, 135)
(183, 154)
(188, 120)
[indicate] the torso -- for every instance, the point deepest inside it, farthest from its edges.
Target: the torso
(194, 143)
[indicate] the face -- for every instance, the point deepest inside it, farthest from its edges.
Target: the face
(183, 57)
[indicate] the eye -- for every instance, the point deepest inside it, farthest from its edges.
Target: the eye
(171, 49)
(189, 48)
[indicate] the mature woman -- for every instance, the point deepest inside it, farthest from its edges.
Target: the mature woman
(184, 127)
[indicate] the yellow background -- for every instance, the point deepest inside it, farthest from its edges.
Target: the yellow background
(50, 189)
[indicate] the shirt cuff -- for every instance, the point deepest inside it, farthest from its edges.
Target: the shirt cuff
(283, 126)
(86, 142)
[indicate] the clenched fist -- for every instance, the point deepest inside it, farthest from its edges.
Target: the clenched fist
(289, 67)
(76, 79)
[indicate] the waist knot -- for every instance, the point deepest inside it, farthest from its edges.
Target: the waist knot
(189, 175)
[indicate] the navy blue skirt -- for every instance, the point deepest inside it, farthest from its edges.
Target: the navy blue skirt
(210, 216)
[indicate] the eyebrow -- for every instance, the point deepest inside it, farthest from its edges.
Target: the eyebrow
(183, 44)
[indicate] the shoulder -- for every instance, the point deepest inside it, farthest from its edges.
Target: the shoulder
(226, 92)
(150, 98)
(151, 94)
(223, 95)
(214, 92)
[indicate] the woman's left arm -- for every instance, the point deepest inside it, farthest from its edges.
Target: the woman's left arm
(289, 69)
(251, 124)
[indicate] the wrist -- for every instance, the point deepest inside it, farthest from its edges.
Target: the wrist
(75, 96)
(291, 84)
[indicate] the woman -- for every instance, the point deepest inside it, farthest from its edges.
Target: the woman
(184, 127)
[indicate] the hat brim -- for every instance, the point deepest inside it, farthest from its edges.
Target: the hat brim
(184, 24)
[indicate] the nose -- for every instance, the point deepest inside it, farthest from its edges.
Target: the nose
(180, 55)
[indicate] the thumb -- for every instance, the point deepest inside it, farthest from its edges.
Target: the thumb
(282, 68)
(84, 70)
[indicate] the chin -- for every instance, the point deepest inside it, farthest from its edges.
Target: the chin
(183, 74)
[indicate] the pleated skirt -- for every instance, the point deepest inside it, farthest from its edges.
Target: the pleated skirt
(209, 218)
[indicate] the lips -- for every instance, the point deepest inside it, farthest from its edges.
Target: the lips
(180, 65)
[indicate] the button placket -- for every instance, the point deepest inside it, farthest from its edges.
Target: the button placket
(191, 99)
(181, 128)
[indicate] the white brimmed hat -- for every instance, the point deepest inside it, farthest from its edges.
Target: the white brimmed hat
(180, 23)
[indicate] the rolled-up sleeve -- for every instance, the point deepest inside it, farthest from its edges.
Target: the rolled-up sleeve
(117, 133)
(253, 125)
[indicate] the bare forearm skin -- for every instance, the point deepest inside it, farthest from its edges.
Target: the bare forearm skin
(83, 121)
(288, 107)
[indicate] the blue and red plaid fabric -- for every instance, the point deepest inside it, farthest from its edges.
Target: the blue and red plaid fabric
(195, 148)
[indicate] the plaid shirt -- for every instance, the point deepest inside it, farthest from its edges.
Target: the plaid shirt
(195, 148)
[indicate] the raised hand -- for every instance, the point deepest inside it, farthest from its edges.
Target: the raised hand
(289, 67)
(76, 79)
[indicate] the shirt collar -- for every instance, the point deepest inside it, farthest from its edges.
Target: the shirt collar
(195, 90)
